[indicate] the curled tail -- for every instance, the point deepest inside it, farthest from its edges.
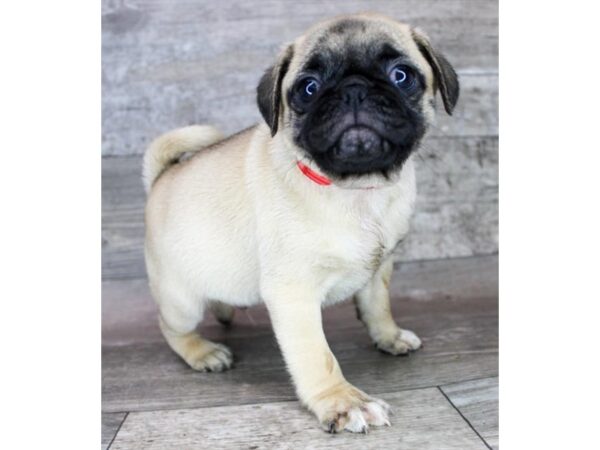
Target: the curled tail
(166, 149)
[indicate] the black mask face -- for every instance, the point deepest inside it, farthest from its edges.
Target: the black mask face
(358, 112)
(356, 106)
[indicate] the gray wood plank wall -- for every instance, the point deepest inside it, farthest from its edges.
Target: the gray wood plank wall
(169, 63)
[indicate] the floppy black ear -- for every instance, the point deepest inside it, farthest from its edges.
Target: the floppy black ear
(445, 76)
(268, 93)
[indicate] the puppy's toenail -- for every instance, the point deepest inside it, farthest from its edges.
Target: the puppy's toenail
(332, 427)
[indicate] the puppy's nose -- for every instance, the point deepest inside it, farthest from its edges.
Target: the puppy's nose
(354, 94)
(359, 143)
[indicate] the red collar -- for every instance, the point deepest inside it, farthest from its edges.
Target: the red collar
(314, 176)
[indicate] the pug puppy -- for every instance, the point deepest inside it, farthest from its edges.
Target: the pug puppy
(303, 210)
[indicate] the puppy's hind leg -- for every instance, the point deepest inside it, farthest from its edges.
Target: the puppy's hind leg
(178, 326)
(222, 312)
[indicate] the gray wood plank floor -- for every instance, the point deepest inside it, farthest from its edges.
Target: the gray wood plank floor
(445, 394)
(129, 314)
(111, 422)
(423, 419)
(477, 400)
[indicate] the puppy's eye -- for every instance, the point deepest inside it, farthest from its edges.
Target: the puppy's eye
(402, 76)
(311, 87)
(308, 88)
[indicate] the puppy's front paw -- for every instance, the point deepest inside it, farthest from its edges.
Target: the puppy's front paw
(403, 342)
(347, 408)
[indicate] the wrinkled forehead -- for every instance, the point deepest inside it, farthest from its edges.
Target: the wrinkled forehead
(355, 42)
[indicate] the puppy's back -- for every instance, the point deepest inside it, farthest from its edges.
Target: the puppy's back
(190, 206)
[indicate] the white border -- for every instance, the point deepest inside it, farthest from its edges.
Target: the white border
(50, 225)
(549, 166)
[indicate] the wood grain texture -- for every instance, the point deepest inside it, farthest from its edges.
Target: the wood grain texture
(129, 313)
(451, 304)
(423, 420)
(456, 212)
(166, 63)
(110, 425)
(460, 342)
(477, 400)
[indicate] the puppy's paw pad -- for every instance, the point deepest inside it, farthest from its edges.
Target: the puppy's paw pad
(217, 359)
(402, 343)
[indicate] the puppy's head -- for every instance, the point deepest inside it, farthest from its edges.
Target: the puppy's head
(356, 95)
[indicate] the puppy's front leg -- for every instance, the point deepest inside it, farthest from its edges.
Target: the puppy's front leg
(373, 308)
(296, 316)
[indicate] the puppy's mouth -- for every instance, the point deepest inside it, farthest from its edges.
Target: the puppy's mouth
(360, 149)
(360, 143)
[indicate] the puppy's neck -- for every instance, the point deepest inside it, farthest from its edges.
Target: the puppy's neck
(280, 163)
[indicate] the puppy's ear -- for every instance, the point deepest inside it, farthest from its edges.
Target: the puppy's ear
(268, 93)
(445, 76)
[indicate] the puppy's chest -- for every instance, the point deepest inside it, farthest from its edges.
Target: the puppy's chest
(349, 254)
